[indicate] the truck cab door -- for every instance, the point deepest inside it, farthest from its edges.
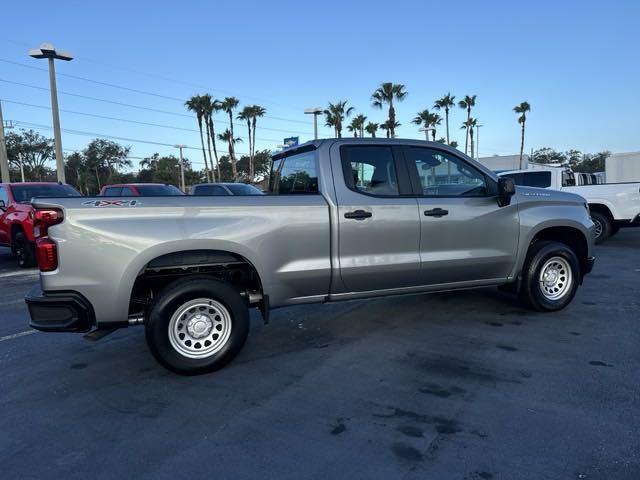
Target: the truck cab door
(465, 235)
(378, 218)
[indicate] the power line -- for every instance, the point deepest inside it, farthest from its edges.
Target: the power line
(141, 107)
(133, 90)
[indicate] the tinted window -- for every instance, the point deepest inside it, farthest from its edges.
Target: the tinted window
(158, 190)
(294, 175)
(370, 170)
(24, 193)
(536, 179)
(445, 175)
(517, 177)
(4, 196)
(213, 190)
(126, 192)
(243, 189)
(112, 191)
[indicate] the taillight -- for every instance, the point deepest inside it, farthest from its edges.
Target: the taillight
(46, 249)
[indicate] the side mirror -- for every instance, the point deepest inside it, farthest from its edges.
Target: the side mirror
(506, 189)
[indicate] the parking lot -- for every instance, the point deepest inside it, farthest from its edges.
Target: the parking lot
(462, 385)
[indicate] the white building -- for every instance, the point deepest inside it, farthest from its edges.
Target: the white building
(623, 167)
(504, 162)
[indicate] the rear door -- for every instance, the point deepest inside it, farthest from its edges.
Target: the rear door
(379, 224)
(465, 235)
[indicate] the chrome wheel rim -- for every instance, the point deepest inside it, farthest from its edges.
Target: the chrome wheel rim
(199, 328)
(598, 227)
(556, 278)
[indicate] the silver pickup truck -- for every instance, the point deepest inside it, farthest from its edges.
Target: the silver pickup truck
(345, 219)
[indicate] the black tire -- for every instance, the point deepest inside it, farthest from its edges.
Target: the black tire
(24, 251)
(173, 299)
(534, 293)
(603, 226)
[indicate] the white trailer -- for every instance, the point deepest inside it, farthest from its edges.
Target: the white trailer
(623, 167)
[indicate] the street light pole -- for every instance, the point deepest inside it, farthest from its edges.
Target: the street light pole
(47, 51)
(478, 141)
(4, 159)
(315, 112)
(180, 147)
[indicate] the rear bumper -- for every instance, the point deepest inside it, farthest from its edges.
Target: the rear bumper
(59, 311)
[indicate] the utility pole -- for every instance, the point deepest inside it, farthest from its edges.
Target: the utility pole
(21, 167)
(180, 147)
(47, 51)
(478, 141)
(315, 112)
(4, 159)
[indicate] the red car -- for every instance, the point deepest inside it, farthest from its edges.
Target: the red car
(16, 215)
(139, 190)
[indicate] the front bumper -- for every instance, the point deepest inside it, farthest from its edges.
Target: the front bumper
(66, 311)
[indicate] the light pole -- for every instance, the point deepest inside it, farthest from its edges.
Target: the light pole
(47, 51)
(426, 132)
(180, 147)
(4, 159)
(478, 141)
(315, 112)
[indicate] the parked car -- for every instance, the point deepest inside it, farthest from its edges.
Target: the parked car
(16, 215)
(612, 205)
(139, 190)
(224, 189)
(345, 219)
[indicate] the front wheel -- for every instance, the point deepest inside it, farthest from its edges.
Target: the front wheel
(550, 276)
(197, 325)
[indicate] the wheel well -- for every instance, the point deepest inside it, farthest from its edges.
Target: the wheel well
(572, 237)
(603, 209)
(15, 229)
(227, 266)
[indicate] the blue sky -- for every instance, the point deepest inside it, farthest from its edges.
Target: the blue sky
(574, 62)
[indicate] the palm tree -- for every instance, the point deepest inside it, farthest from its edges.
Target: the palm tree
(445, 103)
(211, 106)
(422, 118)
(357, 126)
(227, 105)
(523, 108)
(256, 111)
(386, 93)
(335, 115)
(372, 128)
(226, 136)
(469, 125)
(466, 103)
(434, 121)
(246, 114)
(453, 144)
(389, 127)
(195, 104)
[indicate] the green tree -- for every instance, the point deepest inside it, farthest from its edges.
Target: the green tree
(387, 93)
(31, 149)
(445, 103)
(104, 158)
(470, 125)
(389, 127)
(228, 137)
(372, 128)
(196, 105)
(209, 107)
(522, 109)
(250, 114)
(357, 126)
(467, 103)
(228, 105)
(335, 115)
(429, 121)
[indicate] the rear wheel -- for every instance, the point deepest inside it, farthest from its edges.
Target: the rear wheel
(603, 227)
(24, 251)
(197, 325)
(550, 276)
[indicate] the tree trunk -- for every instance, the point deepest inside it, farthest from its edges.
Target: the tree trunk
(466, 134)
(253, 152)
(206, 124)
(426, 134)
(446, 119)
(210, 126)
(373, 134)
(234, 169)
(392, 120)
(433, 134)
(250, 154)
(522, 146)
(471, 136)
(204, 153)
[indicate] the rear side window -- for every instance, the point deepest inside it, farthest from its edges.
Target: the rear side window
(210, 190)
(158, 190)
(113, 192)
(25, 192)
(296, 174)
(370, 170)
(536, 179)
(4, 196)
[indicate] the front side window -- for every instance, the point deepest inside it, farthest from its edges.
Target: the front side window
(444, 175)
(112, 192)
(370, 170)
(296, 174)
(25, 192)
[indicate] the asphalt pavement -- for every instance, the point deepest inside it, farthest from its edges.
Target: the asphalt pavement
(462, 385)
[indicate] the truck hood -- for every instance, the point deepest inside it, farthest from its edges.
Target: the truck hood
(525, 194)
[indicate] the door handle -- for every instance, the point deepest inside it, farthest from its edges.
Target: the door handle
(358, 215)
(436, 212)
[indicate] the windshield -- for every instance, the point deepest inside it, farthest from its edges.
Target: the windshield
(24, 193)
(243, 189)
(161, 190)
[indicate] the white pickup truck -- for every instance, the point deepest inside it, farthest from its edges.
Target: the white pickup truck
(612, 205)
